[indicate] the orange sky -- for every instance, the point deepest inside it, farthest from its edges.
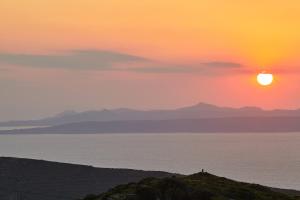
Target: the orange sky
(174, 35)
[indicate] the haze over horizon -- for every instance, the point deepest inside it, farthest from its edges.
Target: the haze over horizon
(58, 55)
(197, 110)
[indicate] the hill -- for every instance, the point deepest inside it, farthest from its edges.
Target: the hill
(213, 125)
(200, 186)
(27, 179)
(198, 111)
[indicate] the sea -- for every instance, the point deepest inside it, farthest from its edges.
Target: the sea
(271, 159)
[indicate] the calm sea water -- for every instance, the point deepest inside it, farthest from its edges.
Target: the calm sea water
(269, 159)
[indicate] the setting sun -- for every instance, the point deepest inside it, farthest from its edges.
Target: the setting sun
(265, 78)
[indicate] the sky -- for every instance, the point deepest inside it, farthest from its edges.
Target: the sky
(58, 55)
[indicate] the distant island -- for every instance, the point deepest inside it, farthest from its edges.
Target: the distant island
(197, 111)
(214, 125)
(37, 179)
(194, 119)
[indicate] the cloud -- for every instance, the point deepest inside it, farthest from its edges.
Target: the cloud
(77, 59)
(212, 67)
(163, 69)
(114, 61)
(222, 64)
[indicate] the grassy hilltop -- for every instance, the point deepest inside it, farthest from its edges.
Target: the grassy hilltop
(200, 186)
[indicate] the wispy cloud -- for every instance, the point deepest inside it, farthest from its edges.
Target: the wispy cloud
(201, 67)
(113, 61)
(221, 64)
(77, 59)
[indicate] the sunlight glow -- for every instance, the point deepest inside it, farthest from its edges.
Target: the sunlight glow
(265, 78)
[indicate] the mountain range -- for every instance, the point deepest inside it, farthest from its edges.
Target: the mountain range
(200, 118)
(198, 111)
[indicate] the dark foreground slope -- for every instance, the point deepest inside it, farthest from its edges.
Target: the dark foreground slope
(201, 186)
(26, 179)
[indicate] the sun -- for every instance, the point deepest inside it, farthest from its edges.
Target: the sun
(264, 78)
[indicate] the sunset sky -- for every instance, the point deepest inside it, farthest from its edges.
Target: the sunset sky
(58, 55)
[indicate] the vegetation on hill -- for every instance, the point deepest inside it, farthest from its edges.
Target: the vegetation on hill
(200, 186)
